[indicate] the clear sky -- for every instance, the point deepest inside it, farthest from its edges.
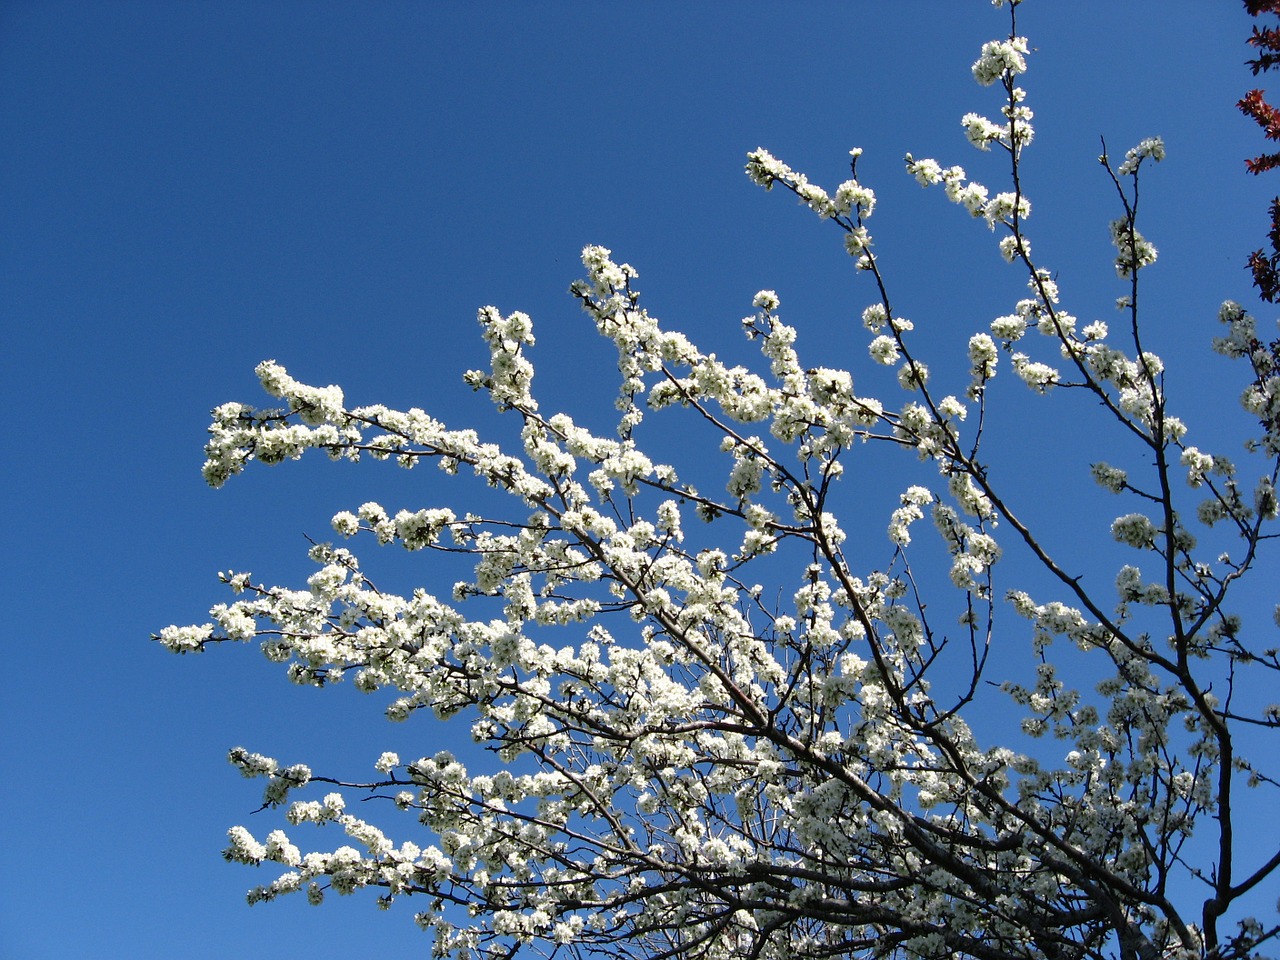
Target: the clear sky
(188, 188)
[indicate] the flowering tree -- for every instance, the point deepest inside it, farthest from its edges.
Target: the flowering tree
(694, 765)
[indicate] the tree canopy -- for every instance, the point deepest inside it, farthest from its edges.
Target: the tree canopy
(723, 726)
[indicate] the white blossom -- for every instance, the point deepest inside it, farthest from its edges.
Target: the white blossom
(1152, 147)
(1000, 58)
(1134, 529)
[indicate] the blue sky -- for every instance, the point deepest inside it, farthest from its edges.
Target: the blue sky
(188, 188)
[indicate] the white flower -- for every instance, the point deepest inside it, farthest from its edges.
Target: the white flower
(346, 523)
(243, 848)
(981, 131)
(973, 197)
(1197, 464)
(856, 241)
(853, 197)
(1109, 477)
(884, 350)
(1133, 251)
(1038, 376)
(913, 375)
(982, 357)
(185, 639)
(926, 172)
(1012, 247)
(900, 523)
(1005, 208)
(1000, 57)
(874, 316)
(1134, 529)
(1009, 328)
(765, 300)
(1152, 147)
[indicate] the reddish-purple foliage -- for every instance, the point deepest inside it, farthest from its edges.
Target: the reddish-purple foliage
(1265, 267)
